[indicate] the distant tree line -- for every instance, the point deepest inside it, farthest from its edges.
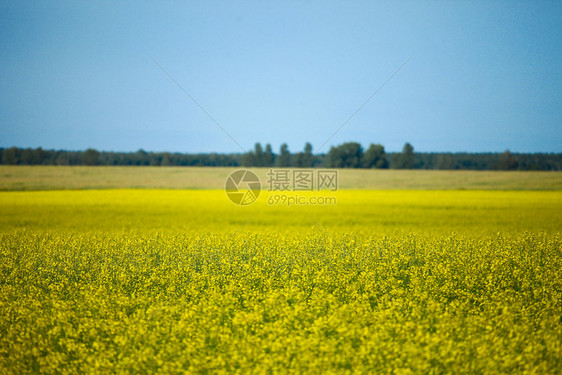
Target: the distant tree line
(39, 156)
(346, 155)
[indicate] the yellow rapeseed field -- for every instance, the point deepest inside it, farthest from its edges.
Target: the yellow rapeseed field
(175, 281)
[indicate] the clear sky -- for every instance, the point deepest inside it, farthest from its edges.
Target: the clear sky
(483, 75)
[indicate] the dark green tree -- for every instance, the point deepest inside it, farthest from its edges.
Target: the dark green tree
(27, 156)
(444, 161)
(347, 155)
(405, 160)
(375, 157)
(507, 161)
(10, 156)
(62, 158)
(165, 159)
(269, 157)
(90, 157)
(284, 159)
(39, 156)
(307, 157)
(258, 155)
(254, 158)
(248, 159)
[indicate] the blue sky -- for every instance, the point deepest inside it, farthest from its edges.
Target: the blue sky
(483, 75)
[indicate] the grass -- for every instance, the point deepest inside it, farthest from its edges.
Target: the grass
(80, 177)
